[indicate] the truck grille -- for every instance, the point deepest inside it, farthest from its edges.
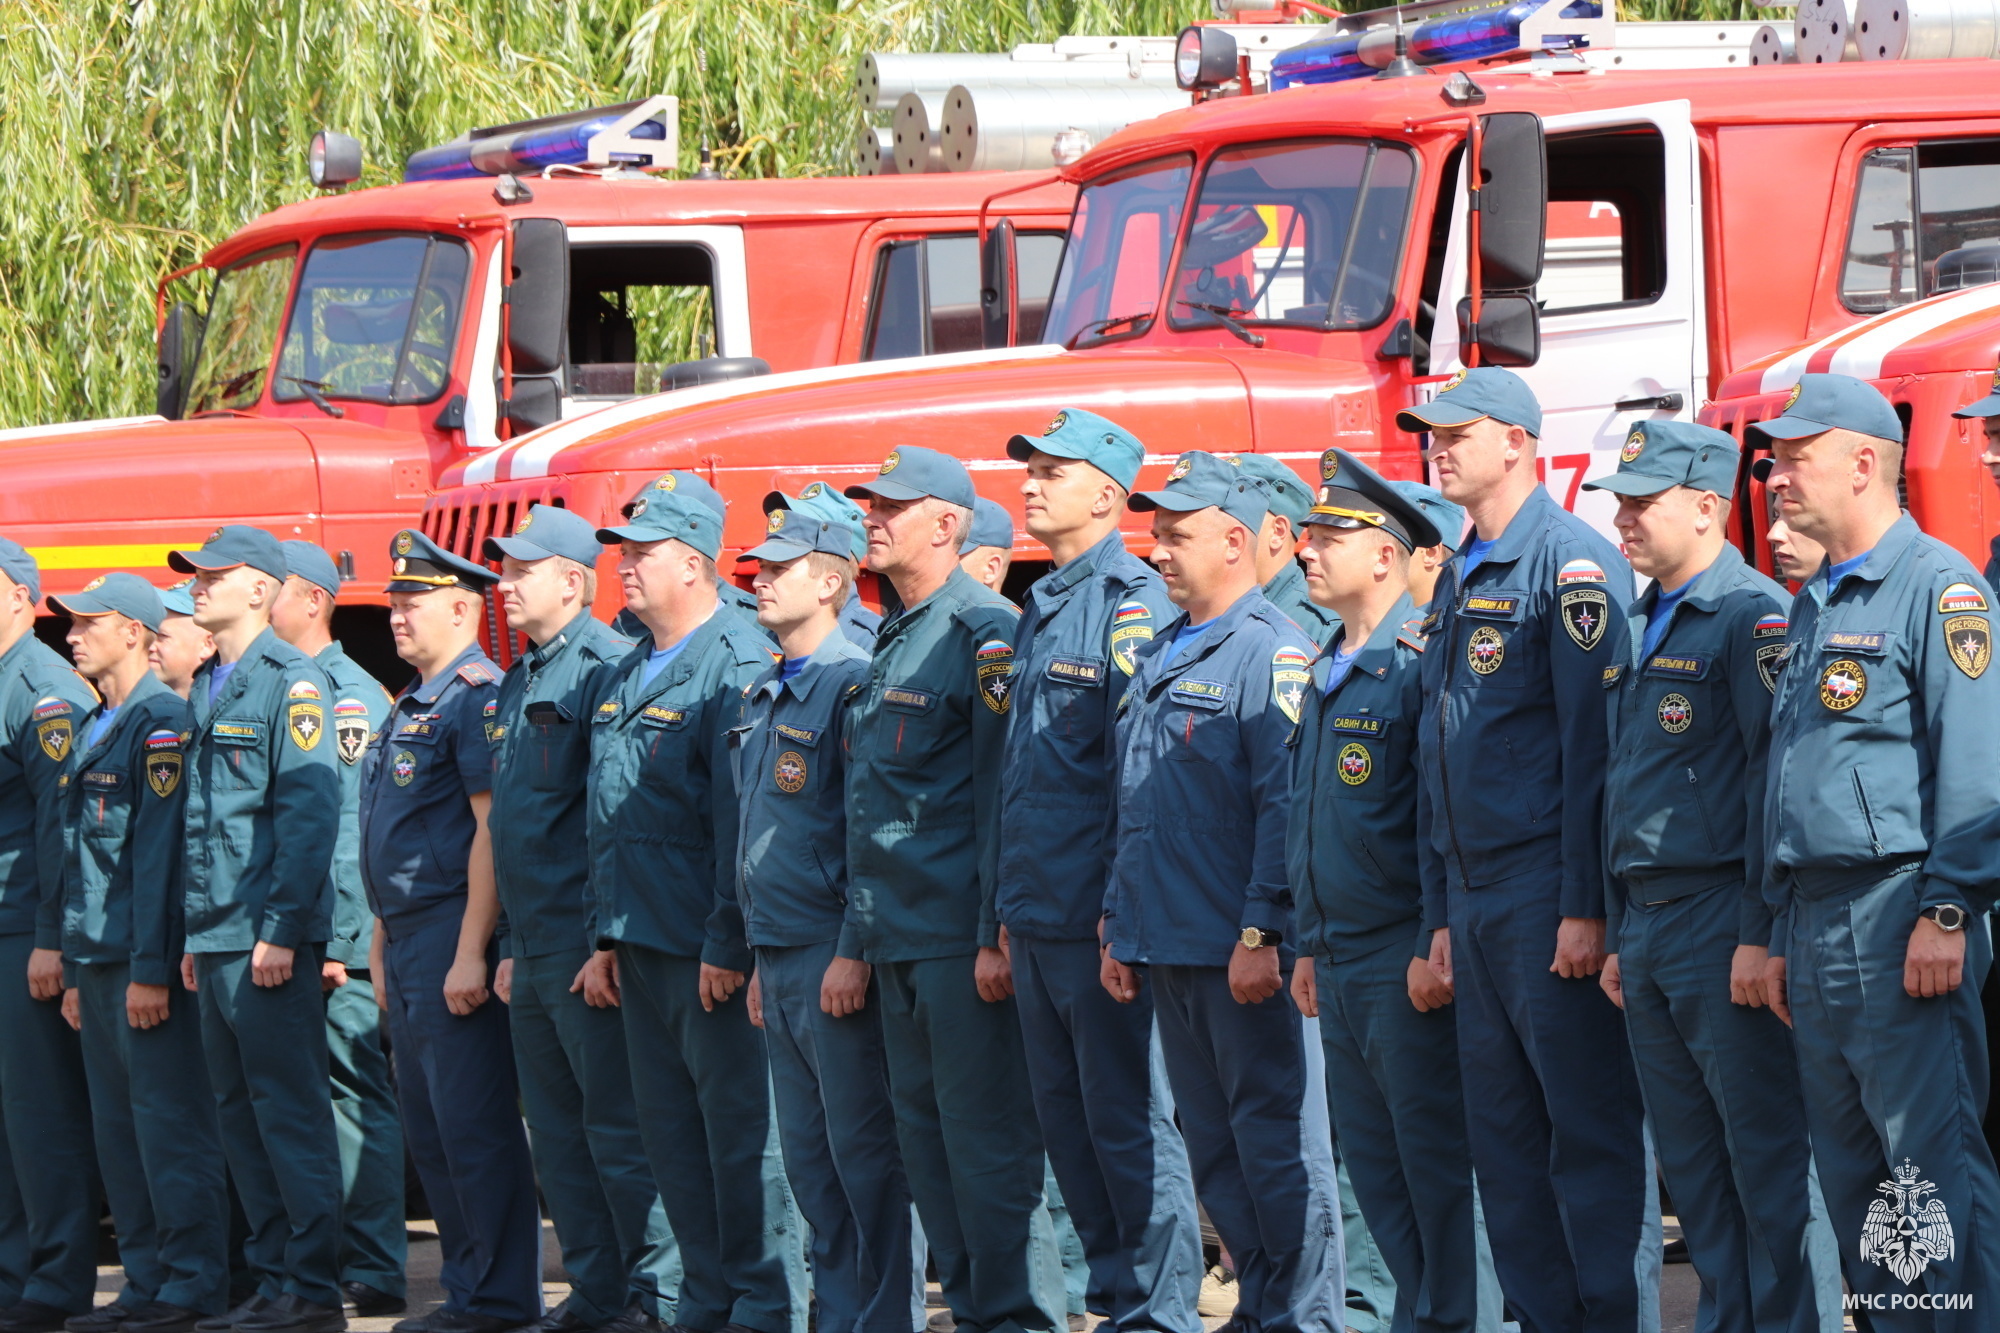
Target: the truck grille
(462, 521)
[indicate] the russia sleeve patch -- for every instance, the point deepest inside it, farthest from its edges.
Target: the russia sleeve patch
(1580, 571)
(1960, 598)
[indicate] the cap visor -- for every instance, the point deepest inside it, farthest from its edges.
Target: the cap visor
(1172, 501)
(631, 532)
(776, 550)
(1438, 413)
(82, 604)
(1989, 406)
(496, 547)
(1787, 428)
(1761, 468)
(1630, 483)
(888, 490)
(191, 562)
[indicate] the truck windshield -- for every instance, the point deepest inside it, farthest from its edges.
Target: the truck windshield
(374, 318)
(1295, 233)
(243, 318)
(1116, 260)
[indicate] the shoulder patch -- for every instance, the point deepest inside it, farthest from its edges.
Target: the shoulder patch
(1960, 597)
(52, 706)
(994, 661)
(162, 740)
(1969, 640)
(1413, 632)
(302, 689)
(1771, 626)
(1131, 627)
(1291, 674)
(1580, 571)
(477, 673)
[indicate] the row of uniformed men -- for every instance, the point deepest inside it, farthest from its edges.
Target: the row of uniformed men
(1144, 823)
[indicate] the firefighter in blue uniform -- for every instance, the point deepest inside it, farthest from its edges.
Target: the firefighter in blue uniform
(821, 499)
(1116, 1152)
(427, 862)
(1687, 929)
(1879, 819)
(158, 1142)
(373, 1242)
(48, 1187)
(1199, 896)
(1987, 412)
(1277, 550)
(1354, 848)
(811, 993)
(987, 549)
(1513, 748)
(924, 746)
(738, 602)
(665, 921)
(569, 1055)
(263, 816)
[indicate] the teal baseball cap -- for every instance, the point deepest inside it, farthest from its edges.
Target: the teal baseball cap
(822, 500)
(1989, 406)
(1198, 480)
(991, 525)
(1831, 402)
(231, 545)
(1446, 517)
(1098, 441)
(1474, 395)
(1357, 496)
(544, 531)
(1290, 496)
(18, 565)
(421, 565)
(912, 472)
(178, 598)
(1659, 455)
(792, 533)
(667, 507)
(121, 594)
(313, 565)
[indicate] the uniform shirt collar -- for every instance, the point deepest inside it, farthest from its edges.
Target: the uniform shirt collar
(542, 654)
(1888, 550)
(1707, 588)
(1379, 653)
(146, 685)
(835, 647)
(1061, 579)
(1218, 630)
(1285, 580)
(957, 589)
(1512, 544)
(427, 692)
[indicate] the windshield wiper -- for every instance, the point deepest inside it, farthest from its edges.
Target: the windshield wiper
(1104, 325)
(312, 389)
(1225, 318)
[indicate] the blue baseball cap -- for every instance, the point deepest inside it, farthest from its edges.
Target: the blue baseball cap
(1357, 496)
(822, 500)
(918, 472)
(669, 507)
(421, 565)
(121, 594)
(547, 530)
(18, 565)
(794, 532)
(1989, 406)
(1290, 496)
(178, 598)
(1446, 517)
(991, 525)
(1098, 441)
(313, 565)
(231, 545)
(1474, 395)
(1199, 479)
(1659, 455)
(1831, 402)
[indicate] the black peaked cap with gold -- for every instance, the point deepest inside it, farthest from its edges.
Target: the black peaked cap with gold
(419, 564)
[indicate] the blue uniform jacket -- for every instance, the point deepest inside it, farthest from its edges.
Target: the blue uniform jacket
(263, 804)
(42, 702)
(859, 624)
(1690, 730)
(124, 802)
(1513, 738)
(923, 775)
(540, 734)
(417, 825)
(1078, 646)
(1887, 724)
(1204, 789)
(661, 800)
(1358, 799)
(360, 706)
(791, 779)
(1287, 592)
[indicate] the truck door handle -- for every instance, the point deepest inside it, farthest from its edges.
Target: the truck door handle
(1659, 402)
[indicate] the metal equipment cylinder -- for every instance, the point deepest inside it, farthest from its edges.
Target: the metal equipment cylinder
(884, 77)
(874, 151)
(1825, 32)
(913, 130)
(1927, 29)
(1007, 129)
(1774, 45)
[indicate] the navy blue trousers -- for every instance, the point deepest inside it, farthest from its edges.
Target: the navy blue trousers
(374, 1243)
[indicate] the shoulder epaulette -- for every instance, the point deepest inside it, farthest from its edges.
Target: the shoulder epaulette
(1412, 633)
(477, 673)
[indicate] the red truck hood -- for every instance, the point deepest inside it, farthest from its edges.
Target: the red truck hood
(1953, 331)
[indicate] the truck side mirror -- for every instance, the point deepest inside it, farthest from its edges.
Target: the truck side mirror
(1513, 200)
(535, 403)
(538, 296)
(998, 298)
(1509, 332)
(180, 336)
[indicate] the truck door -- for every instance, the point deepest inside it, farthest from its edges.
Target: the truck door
(1620, 296)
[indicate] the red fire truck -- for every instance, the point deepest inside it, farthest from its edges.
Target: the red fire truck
(1283, 272)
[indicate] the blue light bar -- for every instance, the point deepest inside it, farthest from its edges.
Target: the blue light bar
(528, 147)
(1354, 55)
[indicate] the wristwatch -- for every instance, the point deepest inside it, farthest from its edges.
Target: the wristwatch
(1253, 938)
(1947, 916)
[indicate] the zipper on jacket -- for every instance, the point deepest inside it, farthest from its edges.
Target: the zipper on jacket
(1444, 760)
(1867, 813)
(1694, 785)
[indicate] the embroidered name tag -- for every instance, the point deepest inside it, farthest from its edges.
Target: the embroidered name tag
(605, 711)
(1200, 693)
(1856, 641)
(546, 714)
(803, 735)
(1075, 671)
(657, 716)
(417, 731)
(103, 781)
(238, 733)
(1689, 666)
(1489, 607)
(1356, 724)
(909, 700)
